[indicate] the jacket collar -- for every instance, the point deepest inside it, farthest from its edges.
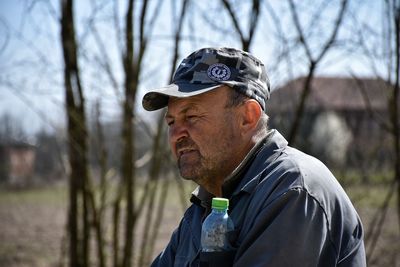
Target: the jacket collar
(273, 146)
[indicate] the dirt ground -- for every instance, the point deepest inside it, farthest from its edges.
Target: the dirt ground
(32, 227)
(31, 230)
(33, 223)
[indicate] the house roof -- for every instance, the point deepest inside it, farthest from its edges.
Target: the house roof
(17, 145)
(332, 93)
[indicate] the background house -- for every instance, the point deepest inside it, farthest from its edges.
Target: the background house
(341, 124)
(17, 163)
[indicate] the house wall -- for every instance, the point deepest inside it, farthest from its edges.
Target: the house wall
(21, 162)
(17, 164)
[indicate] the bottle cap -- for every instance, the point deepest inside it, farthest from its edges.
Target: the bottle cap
(220, 203)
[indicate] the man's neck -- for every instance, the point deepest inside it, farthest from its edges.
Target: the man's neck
(215, 187)
(222, 185)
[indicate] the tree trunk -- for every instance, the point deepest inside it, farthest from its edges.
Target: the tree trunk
(128, 170)
(299, 113)
(395, 116)
(77, 138)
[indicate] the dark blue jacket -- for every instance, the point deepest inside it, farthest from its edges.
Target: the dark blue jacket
(288, 210)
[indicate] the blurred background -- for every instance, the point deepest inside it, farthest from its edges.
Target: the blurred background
(86, 176)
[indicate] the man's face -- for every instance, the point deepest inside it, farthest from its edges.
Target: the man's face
(203, 135)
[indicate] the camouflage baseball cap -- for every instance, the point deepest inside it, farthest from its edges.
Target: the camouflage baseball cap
(209, 68)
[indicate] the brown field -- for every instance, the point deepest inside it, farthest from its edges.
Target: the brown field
(33, 222)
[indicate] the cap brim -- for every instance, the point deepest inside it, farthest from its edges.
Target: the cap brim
(158, 98)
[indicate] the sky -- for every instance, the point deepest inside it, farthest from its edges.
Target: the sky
(31, 66)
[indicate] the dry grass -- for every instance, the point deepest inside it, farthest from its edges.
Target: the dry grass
(32, 225)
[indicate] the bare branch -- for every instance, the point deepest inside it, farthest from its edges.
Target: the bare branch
(285, 54)
(155, 15)
(255, 12)
(105, 63)
(28, 102)
(142, 22)
(178, 38)
(117, 26)
(302, 39)
(313, 63)
(381, 122)
(5, 35)
(377, 223)
(208, 18)
(145, 35)
(234, 20)
(52, 11)
(332, 38)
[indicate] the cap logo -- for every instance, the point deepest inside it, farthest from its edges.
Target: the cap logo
(219, 72)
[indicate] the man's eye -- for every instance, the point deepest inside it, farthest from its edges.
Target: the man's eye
(191, 117)
(169, 123)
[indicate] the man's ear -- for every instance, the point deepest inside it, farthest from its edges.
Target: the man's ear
(250, 114)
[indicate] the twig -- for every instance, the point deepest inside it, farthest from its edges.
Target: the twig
(377, 223)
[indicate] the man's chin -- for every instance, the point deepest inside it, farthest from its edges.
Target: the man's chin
(188, 174)
(188, 168)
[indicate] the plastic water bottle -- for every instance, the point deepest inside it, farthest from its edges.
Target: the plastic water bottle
(216, 226)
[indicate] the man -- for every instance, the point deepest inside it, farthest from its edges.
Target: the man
(287, 207)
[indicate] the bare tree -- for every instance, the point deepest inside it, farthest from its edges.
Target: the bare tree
(151, 230)
(383, 56)
(132, 61)
(394, 100)
(128, 170)
(245, 38)
(77, 139)
(314, 57)
(87, 219)
(136, 33)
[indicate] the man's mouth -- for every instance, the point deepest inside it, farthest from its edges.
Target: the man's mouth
(184, 151)
(185, 147)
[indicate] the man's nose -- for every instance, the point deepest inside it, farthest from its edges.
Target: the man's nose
(177, 131)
